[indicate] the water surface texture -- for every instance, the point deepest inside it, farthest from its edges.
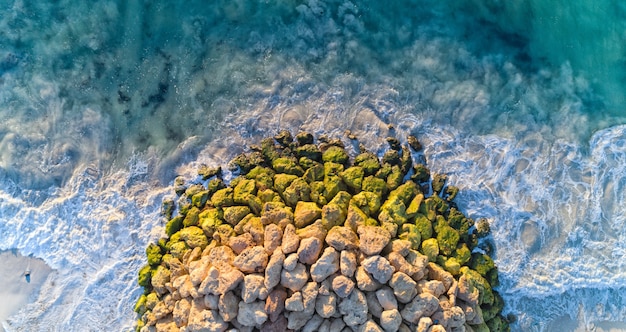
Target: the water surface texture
(521, 103)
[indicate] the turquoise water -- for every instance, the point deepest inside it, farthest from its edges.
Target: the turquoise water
(103, 103)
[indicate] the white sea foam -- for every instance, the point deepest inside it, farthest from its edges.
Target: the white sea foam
(102, 114)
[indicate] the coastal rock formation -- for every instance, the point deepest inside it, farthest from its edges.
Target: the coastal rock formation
(305, 240)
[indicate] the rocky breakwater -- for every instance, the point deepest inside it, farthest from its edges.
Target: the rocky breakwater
(306, 239)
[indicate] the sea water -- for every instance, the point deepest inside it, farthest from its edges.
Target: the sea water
(521, 103)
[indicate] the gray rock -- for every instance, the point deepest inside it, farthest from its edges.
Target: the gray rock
(295, 279)
(294, 302)
(386, 298)
(290, 262)
(228, 306)
(422, 305)
(326, 265)
(313, 324)
(373, 306)
(390, 320)
(253, 288)
(309, 295)
(379, 268)
(372, 239)
(365, 281)
(275, 304)
(309, 250)
(337, 325)
(211, 301)
(354, 309)
(206, 320)
(348, 263)
(326, 305)
(251, 314)
(342, 286)
(272, 271)
(434, 287)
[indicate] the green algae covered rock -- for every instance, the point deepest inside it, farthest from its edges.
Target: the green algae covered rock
(290, 215)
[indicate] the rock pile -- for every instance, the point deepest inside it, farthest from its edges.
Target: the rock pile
(306, 240)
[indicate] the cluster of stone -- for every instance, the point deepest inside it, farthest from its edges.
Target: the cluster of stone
(304, 239)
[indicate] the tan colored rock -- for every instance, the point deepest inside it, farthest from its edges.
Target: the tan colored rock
(181, 312)
(211, 301)
(241, 242)
(372, 239)
(206, 320)
(404, 287)
(436, 272)
(291, 240)
(221, 256)
(370, 326)
(420, 262)
(290, 261)
(166, 325)
(434, 287)
(295, 279)
(198, 270)
(342, 238)
(424, 324)
(401, 264)
(253, 259)
(309, 295)
(309, 250)
(273, 238)
(275, 304)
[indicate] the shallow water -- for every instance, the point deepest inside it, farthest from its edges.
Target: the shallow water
(103, 104)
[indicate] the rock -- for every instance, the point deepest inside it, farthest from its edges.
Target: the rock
(422, 305)
(386, 298)
(313, 324)
(436, 272)
(316, 230)
(211, 283)
(197, 271)
(253, 288)
(290, 262)
(272, 271)
(399, 246)
(379, 268)
(372, 239)
(325, 305)
(404, 288)
(272, 238)
(337, 325)
(434, 287)
(424, 324)
(306, 213)
(211, 301)
(229, 279)
(326, 265)
(373, 306)
(348, 263)
(365, 281)
(370, 326)
(160, 278)
(401, 264)
(354, 309)
(291, 241)
(253, 259)
(295, 279)
(455, 317)
(390, 320)
(294, 302)
(325, 326)
(437, 328)
(342, 286)
(251, 314)
(187, 288)
(309, 294)
(420, 262)
(228, 306)
(342, 238)
(278, 325)
(275, 304)
(181, 312)
(221, 256)
(206, 320)
(309, 250)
